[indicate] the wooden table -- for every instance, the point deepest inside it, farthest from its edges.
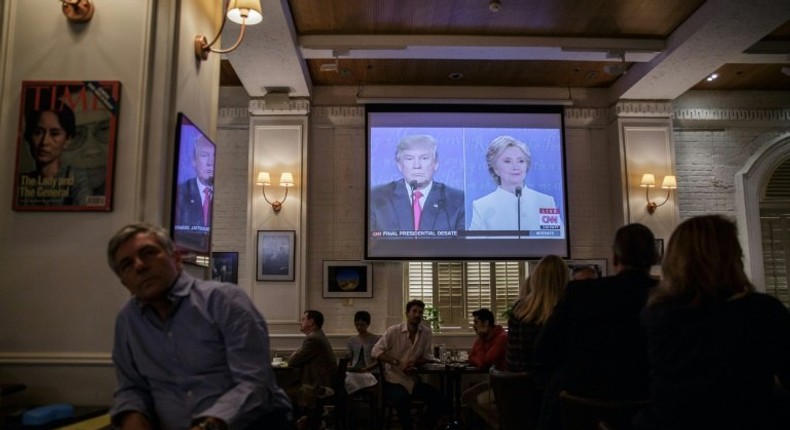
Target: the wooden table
(451, 375)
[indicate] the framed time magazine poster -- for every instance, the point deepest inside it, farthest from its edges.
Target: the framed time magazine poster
(65, 149)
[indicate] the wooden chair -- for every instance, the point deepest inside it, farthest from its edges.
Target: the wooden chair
(517, 399)
(584, 413)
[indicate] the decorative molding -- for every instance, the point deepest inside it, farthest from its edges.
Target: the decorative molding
(703, 114)
(232, 117)
(57, 358)
(257, 107)
(339, 116)
(643, 109)
(586, 117)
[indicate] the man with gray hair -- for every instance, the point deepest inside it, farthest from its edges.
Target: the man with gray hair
(189, 354)
(416, 201)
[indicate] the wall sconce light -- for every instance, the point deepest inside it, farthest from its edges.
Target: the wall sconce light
(649, 181)
(77, 10)
(286, 180)
(244, 12)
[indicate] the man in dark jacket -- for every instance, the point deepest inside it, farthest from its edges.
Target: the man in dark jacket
(318, 366)
(592, 344)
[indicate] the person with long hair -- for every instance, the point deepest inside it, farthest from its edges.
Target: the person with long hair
(538, 295)
(541, 292)
(715, 346)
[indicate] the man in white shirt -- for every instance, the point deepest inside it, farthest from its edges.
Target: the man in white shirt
(403, 348)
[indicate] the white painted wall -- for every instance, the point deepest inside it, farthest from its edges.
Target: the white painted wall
(58, 298)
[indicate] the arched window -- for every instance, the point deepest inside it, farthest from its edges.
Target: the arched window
(775, 229)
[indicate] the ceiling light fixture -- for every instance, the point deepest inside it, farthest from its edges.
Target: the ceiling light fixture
(616, 69)
(712, 77)
(330, 67)
(494, 5)
(244, 12)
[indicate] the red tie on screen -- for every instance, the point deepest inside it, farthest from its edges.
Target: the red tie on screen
(415, 205)
(206, 205)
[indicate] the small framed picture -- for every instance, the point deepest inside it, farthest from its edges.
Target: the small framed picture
(276, 253)
(585, 269)
(343, 279)
(225, 267)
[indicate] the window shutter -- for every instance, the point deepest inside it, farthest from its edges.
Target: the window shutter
(508, 277)
(450, 294)
(419, 276)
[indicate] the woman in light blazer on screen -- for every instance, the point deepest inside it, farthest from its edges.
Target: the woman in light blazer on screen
(513, 206)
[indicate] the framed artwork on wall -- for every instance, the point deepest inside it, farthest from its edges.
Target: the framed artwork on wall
(344, 279)
(225, 267)
(65, 149)
(599, 266)
(276, 254)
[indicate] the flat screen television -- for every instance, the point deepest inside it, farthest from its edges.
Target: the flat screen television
(193, 188)
(490, 181)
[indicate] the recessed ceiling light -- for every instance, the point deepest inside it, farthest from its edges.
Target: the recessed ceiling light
(712, 77)
(494, 5)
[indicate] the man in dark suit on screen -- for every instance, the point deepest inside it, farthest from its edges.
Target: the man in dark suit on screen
(194, 199)
(196, 193)
(416, 202)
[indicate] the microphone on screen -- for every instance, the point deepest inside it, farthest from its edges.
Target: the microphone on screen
(413, 185)
(518, 209)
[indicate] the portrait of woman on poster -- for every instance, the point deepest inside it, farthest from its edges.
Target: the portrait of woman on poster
(512, 205)
(48, 133)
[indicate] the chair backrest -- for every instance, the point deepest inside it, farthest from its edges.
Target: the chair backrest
(583, 413)
(517, 399)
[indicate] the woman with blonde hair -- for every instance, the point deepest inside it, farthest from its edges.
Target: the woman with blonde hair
(541, 292)
(715, 346)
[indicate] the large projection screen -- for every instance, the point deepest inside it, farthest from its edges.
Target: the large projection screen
(489, 180)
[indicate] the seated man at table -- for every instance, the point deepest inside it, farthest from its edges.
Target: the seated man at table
(488, 350)
(317, 364)
(403, 348)
(188, 353)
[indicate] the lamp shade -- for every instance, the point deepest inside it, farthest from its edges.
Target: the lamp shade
(648, 180)
(263, 179)
(287, 179)
(251, 9)
(670, 182)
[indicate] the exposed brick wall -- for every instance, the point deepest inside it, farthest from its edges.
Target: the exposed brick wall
(232, 195)
(707, 161)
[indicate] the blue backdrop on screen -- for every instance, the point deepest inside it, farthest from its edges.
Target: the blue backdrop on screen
(462, 159)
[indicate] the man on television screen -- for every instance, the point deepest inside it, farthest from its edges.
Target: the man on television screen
(194, 197)
(416, 201)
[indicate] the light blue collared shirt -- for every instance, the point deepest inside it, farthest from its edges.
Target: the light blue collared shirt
(210, 357)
